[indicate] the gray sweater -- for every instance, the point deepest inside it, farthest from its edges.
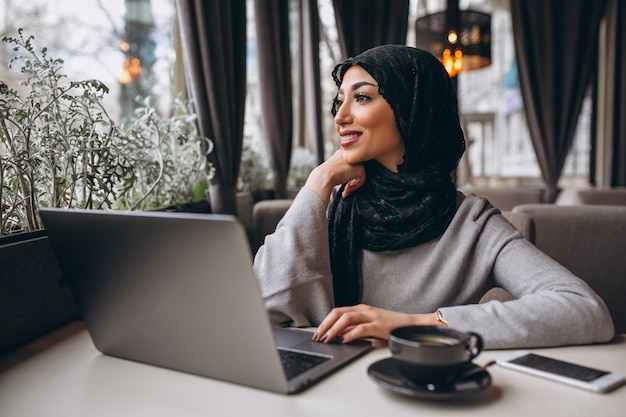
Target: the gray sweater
(479, 250)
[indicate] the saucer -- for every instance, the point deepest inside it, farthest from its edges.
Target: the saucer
(385, 374)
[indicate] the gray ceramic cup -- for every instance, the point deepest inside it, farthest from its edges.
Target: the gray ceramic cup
(433, 353)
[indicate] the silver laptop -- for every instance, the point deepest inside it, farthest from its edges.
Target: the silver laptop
(177, 290)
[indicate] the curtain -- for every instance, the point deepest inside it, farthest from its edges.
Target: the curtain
(615, 118)
(213, 38)
(272, 27)
(363, 24)
(555, 45)
(311, 85)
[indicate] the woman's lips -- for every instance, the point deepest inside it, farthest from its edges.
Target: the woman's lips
(349, 138)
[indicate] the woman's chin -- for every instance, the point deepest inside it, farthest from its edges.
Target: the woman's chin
(352, 158)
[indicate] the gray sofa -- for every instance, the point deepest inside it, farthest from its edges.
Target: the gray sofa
(573, 196)
(505, 198)
(590, 240)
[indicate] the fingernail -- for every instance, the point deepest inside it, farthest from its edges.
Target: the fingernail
(314, 338)
(323, 339)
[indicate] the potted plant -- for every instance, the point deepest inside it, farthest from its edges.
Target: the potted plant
(60, 148)
(169, 160)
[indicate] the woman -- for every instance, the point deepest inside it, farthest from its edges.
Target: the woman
(397, 245)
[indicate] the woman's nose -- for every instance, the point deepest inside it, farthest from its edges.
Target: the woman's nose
(343, 113)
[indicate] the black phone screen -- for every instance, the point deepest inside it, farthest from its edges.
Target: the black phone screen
(558, 367)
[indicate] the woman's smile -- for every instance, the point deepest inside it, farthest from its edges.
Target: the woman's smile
(349, 137)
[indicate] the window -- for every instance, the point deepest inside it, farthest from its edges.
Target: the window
(500, 150)
(127, 44)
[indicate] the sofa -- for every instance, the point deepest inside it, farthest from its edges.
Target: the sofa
(573, 196)
(505, 198)
(590, 240)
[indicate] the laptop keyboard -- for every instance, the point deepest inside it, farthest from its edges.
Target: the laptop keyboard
(296, 363)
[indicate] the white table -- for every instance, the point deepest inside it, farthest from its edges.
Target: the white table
(63, 375)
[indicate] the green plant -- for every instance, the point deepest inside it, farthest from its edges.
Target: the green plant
(168, 154)
(60, 148)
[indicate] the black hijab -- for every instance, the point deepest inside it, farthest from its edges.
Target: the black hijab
(393, 211)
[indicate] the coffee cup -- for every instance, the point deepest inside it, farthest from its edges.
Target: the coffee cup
(430, 354)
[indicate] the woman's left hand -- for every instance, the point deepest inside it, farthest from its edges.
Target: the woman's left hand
(350, 323)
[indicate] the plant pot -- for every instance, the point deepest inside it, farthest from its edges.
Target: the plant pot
(201, 206)
(34, 298)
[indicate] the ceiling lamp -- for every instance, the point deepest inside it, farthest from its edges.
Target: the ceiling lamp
(461, 39)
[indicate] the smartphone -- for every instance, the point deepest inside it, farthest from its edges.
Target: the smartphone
(561, 371)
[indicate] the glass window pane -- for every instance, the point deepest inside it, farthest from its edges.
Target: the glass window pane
(102, 40)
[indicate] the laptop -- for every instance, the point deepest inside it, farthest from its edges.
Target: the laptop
(177, 290)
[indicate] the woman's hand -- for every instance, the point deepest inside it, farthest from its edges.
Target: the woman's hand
(335, 171)
(354, 322)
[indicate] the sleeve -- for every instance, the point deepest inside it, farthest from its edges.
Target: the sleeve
(551, 306)
(293, 265)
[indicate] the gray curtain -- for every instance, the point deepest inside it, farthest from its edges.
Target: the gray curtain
(615, 120)
(555, 45)
(311, 85)
(213, 38)
(363, 24)
(272, 27)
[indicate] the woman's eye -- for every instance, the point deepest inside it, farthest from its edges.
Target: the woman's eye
(360, 97)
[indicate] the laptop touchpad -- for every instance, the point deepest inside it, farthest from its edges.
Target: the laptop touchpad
(291, 337)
